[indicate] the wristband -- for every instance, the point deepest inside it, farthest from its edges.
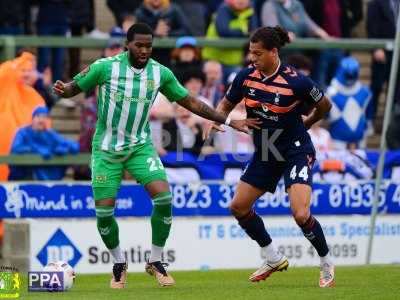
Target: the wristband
(228, 121)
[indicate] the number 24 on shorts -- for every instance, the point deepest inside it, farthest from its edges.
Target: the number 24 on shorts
(302, 174)
(155, 164)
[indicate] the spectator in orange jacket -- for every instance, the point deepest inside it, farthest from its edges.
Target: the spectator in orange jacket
(18, 100)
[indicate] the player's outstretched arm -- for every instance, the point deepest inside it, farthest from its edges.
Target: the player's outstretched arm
(203, 110)
(224, 107)
(66, 90)
(320, 110)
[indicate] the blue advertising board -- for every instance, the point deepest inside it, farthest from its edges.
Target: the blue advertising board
(75, 200)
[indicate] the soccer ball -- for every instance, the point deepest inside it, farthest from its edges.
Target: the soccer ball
(62, 266)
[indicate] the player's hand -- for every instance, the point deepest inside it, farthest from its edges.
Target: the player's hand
(210, 127)
(240, 125)
(162, 28)
(59, 87)
(246, 124)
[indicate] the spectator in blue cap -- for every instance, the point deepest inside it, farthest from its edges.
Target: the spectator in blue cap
(38, 138)
(186, 57)
(186, 41)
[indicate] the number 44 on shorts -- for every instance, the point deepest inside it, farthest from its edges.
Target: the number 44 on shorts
(302, 174)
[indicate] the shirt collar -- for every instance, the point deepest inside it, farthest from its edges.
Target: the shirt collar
(135, 70)
(273, 74)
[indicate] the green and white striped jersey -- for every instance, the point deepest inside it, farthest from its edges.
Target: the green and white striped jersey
(125, 97)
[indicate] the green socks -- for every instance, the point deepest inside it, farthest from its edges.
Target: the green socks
(161, 218)
(107, 226)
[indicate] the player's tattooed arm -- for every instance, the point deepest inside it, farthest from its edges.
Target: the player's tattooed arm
(66, 90)
(318, 112)
(202, 109)
(225, 107)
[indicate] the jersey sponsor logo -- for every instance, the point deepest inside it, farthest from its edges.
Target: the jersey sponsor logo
(132, 99)
(252, 92)
(120, 97)
(271, 118)
(316, 94)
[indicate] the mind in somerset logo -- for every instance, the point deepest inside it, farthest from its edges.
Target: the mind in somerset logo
(19, 201)
(15, 200)
(10, 282)
(59, 247)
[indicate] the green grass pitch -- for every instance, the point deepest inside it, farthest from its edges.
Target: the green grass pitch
(372, 282)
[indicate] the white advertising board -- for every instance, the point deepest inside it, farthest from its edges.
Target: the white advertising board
(210, 243)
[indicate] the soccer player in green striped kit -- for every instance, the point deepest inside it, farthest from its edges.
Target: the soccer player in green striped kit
(128, 84)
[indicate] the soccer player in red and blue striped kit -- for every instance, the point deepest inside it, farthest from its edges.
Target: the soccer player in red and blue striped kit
(288, 103)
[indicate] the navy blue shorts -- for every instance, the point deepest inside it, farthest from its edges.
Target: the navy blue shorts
(265, 175)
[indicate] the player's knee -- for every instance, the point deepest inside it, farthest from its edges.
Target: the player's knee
(301, 216)
(237, 211)
(105, 202)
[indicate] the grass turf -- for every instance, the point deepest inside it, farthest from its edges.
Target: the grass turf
(372, 282)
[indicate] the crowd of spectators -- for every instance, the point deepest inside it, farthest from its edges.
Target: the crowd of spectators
(207, 71)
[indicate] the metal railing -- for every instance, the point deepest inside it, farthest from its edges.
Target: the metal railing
(10, 44)
(37, 160)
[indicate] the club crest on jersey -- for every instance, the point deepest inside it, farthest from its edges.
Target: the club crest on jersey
(276, 100)
(252, 92)
(150, 84)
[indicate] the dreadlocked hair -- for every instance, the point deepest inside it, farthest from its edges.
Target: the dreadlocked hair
(271, 37)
